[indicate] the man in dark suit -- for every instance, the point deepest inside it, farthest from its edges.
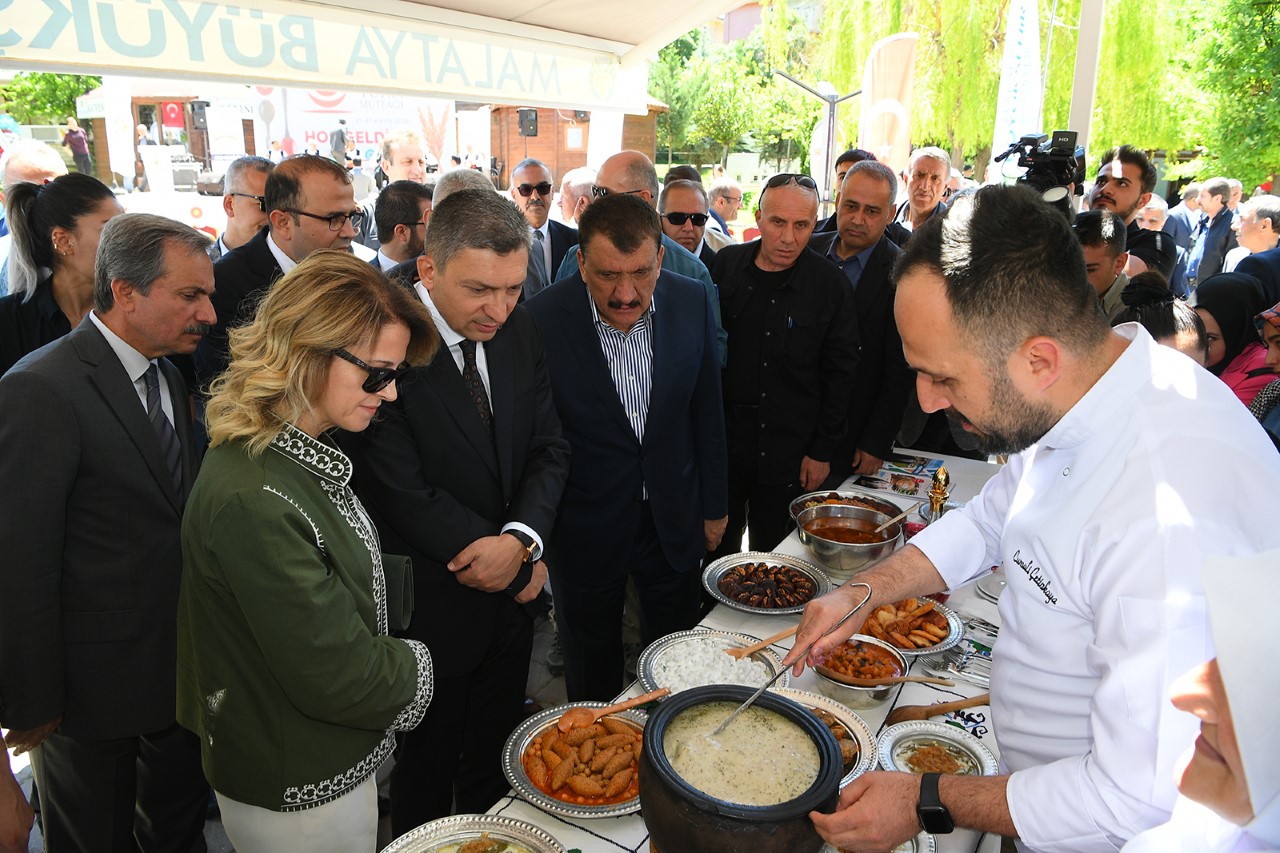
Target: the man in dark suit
(464, 476)
(682, 207)
(1265, 267)
(866, 256)
(1182, 218)
(243, 185)
(636, 373)
(793, 351)
(310, 206)
(96, 447)
(531, 190)
(401, 216)
(1214, 236)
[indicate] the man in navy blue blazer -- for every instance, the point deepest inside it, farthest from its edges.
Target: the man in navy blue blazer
(635, 373)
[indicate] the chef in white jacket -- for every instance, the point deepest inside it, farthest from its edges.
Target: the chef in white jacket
(1131, 464)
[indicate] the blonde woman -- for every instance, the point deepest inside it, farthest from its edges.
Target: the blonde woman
(285, 669)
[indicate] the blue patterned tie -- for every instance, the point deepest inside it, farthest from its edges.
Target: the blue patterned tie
(170, 447)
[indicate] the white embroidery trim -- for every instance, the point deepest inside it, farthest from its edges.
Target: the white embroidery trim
(303, 512)
(413, 712)
(317, 794)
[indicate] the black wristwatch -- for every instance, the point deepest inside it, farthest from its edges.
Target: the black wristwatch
(934, 817)
(530, 545)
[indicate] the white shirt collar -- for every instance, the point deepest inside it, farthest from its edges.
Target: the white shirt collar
(447, 334)
(286, 263)
(384, 262)
(135, 363)
(1121, 379)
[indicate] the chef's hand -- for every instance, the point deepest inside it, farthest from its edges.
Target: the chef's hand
(713, 530)
(25, 740)
(865, 463)
(876, 812)
(813, 473)
(489, 564)
(536, 583)
(819, 615)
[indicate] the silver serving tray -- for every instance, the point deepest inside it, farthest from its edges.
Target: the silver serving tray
(462, 828)
(895, 738)
(955, 634)
(671, 643)
(922, 843)
(861, 732)
(711, 579)
(519, 741)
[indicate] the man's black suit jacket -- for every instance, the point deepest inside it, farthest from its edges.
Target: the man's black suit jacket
(90, 522)
(240, 278)
(707, 255)
(434, 482)
(883, 381)
(563, 238)
(681, 461)
(1218, 240)
(1265, 267)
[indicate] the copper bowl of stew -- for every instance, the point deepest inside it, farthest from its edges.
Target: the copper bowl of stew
(842, 537)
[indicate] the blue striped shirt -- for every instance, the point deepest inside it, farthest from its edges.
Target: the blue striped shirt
(630, 359)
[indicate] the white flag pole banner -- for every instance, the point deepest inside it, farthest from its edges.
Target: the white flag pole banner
(1018, 105)
(294, 43)
(887, 81)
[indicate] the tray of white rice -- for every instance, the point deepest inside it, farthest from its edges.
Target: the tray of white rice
(697, 658)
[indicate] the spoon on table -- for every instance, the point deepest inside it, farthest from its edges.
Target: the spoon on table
(741, 653)
(880, 682)
(580, 718)
(924, 712)
(895, 519)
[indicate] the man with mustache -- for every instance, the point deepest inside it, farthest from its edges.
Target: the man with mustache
(1101, 532)
(532, 191)
(927, 176)
(97, 430)
(635, 372)
(1125, 181)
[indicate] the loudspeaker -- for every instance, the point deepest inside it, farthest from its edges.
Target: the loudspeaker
(581, 115)
(199, 120)
(528, 122)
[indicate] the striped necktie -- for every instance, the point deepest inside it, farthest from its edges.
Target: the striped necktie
(170, 448)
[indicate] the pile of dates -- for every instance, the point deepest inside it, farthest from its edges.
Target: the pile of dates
(767, 586)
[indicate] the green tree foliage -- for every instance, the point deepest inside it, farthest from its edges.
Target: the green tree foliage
(722, 115)
(784, 115)
(38, 98)
(678, 79)
(1241, 62)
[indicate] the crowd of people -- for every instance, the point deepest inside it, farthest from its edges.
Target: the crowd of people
(286, 513)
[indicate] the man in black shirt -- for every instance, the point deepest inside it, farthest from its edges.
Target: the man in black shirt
(1125, 181)
(793, 350)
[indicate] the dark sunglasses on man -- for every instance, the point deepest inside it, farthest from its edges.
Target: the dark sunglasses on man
(679, 219)
(379, 377)
(527, 190)
(783, 178)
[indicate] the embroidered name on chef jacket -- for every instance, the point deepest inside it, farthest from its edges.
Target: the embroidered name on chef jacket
(1036, 576)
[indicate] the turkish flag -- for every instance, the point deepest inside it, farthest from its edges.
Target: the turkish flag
(171, 113)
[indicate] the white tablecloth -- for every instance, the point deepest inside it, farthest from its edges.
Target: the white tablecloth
(612, 835)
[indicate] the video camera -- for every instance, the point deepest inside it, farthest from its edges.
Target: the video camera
(1050, 166)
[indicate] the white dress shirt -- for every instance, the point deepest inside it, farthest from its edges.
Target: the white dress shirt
(453, 341)
(286, 263)
(384, 263)
(136, 365)
(1101, 529)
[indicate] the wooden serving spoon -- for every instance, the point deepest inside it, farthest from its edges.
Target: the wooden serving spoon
(580, 718)
(741, 653)
(924, 712)
(880, 682)
(895, 519)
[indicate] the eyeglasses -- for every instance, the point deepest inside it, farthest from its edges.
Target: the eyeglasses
(527, 190)
(260, 199)
(335, 221)
(379, 377)
(600, 192)
(783, 178)
(678, 219)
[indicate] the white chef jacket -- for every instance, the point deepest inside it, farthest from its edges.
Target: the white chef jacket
(1101, 529)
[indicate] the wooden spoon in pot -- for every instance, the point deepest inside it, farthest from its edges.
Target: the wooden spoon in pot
(924, 712)
(741, 653)
(580, 718)
(880, 682)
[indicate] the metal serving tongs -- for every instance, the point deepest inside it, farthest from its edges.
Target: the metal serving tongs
(754, 696)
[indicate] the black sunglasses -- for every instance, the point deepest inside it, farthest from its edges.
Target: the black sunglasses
(527, 190)
(600, 192)
(261, 200)
(335, 221)
(379, 377)
(783, 178)
(678, 219)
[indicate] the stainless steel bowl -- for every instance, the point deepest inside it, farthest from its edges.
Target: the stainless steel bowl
(853, 497)
(847, 557)
(861, 697)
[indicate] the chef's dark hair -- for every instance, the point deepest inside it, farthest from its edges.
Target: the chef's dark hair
(1012, 270)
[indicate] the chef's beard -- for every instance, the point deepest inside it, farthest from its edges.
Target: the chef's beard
(1014, 424)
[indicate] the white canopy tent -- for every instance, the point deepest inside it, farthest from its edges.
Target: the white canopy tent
(583, 54)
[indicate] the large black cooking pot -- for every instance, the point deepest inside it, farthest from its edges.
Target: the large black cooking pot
(682, 819)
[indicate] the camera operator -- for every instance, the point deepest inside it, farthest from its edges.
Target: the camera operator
(1124, 184)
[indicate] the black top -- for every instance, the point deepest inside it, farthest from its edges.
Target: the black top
(743, 368)
(25, 326)
(1156, 249)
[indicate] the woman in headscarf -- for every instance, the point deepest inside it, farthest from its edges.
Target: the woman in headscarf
(1228, 304)
(1230, 779)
